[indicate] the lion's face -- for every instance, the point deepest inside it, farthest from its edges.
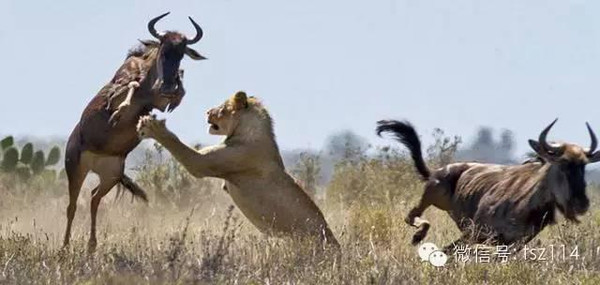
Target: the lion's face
(224, 118)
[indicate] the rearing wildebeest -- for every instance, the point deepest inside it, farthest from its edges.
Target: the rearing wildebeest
(148, 79)
(501, 204)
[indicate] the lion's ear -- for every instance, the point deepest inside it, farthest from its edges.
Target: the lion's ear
(240, 100)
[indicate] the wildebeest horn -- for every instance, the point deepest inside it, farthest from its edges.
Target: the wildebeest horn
(594, 144)
(151, 24)
(199, 33)
(542, 140)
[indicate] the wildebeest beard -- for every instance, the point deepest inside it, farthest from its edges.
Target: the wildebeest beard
(578, 202)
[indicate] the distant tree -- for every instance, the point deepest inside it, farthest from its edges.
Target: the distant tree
(346, 146)
(506, 147)
(484, 137)
(308, 171)
(507, 140)
(444, 148)
(485, 149)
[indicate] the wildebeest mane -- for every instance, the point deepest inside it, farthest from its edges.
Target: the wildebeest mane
(513, 183)
(140, 49)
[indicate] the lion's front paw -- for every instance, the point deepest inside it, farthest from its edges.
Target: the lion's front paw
(150, 127)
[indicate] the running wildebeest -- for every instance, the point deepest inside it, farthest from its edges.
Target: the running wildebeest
(148, 79)
(501, 204)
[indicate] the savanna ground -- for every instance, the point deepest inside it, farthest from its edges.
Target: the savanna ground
(190, 233)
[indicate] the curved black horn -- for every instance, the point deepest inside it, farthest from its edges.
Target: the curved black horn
(594, 144)
(544, 143)
(151, 24)
(199, 32)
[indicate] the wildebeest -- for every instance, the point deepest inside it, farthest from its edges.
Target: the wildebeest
(501, 204)
(106, 133)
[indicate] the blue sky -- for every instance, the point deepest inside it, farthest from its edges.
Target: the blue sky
(319, 66)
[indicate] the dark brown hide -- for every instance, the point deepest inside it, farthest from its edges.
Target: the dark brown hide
(500, 204)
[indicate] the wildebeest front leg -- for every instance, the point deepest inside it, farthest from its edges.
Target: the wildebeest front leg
(110, 170)
(114, 119)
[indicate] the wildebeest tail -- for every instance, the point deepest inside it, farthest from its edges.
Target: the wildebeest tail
(405, 133)
(135, 189)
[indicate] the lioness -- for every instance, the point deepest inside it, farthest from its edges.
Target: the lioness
(249, 161)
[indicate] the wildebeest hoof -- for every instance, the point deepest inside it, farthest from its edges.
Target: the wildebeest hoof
(92, 246)
(417, 238)
(150, 127)
(420, 234)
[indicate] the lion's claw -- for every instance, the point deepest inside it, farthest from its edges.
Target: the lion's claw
(150, 127)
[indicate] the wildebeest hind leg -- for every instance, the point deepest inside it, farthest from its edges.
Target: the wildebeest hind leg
(423, 227)
(110, 170)
(415, 220)
(76, 175)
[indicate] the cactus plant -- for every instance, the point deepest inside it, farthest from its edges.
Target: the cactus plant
(53, 156)
(27, 153)
(37, 162)
(10, 159)
(29, 162)
(23, 172)
(7, 142)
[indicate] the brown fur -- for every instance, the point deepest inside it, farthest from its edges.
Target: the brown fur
(105, 134)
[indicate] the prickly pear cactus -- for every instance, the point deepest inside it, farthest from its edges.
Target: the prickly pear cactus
(37, 162)
(6, 142)
(23, 172)
(10, 158)
(27, 153)
(53, 156)
(29, 162)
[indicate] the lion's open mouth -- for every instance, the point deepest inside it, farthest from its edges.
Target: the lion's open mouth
(214, 126)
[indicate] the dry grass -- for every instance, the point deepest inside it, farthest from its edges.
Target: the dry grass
(200, 239)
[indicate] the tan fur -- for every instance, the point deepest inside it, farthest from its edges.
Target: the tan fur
(574, 153)
(250, 162)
